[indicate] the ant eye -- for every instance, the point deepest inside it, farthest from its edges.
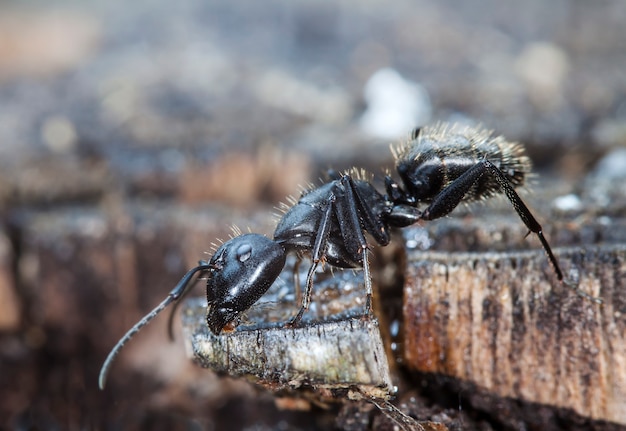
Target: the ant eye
(244, 252)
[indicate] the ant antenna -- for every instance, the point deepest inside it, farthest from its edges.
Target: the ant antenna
(170, 321)
(178, 292)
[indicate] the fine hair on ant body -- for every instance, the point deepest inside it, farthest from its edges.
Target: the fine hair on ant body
(439, 167)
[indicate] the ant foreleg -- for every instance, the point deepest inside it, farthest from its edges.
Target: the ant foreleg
(317, 254)
(356, 216)
(353, 217)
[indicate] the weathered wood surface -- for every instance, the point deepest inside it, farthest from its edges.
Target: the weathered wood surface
(334, 351)
(503, 322)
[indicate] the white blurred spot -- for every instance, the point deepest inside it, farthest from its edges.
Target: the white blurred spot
(612, 166)
(544, 68)
(418, 239)
(395, 106)
(58, 134)
(568, 203)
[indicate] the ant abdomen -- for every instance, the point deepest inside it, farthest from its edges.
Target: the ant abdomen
(436, 156)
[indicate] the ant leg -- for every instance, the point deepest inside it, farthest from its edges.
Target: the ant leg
(368, 283)
(448, 198)
(403, 215)
(524, 213)
(396, 194)
(296, 279)
(317, 255)
(346, 203)
(534, 226)
(354, 216)
(452, 195)
(404, 212)
(364, 217)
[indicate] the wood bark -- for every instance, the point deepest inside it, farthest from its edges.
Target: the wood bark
(505, 323)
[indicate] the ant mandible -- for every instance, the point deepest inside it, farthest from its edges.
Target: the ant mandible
(440, 166)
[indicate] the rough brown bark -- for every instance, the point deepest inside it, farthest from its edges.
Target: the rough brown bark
(503, 322)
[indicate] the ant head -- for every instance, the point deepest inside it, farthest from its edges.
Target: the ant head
(243, 269)
(239, 273)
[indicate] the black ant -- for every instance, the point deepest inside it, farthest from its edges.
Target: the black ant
(440, 166)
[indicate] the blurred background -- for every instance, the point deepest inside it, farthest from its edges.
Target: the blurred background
(133, 135)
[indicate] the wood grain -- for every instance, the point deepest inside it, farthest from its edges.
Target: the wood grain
(334, 351)
(503, 322)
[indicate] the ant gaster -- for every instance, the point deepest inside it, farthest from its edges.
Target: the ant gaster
(439, 167)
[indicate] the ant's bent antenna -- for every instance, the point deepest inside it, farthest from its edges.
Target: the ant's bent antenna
(170, 321)
(179, 291)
